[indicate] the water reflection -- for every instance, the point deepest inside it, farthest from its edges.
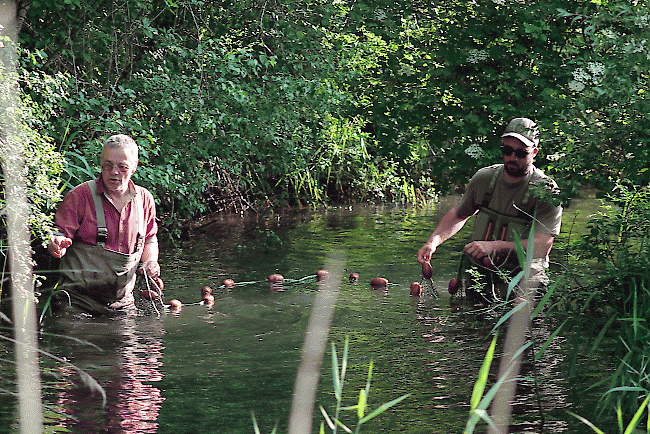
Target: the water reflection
(205, 367)
(127, 365)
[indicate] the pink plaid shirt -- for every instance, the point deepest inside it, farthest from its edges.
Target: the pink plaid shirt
(76, 219)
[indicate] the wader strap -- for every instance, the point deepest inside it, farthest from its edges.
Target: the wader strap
(487, 198)
(102, 232)
(139, 209)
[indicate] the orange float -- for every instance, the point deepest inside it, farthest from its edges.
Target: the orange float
(416, 289)
(487, 263)
(454, 285)
(159, 282)
(379, 283)
(427, 270)
(150, 294)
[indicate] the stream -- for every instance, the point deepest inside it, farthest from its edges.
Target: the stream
(205, 369)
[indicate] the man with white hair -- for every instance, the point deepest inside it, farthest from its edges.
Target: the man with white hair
(502, 198)
(105, 227)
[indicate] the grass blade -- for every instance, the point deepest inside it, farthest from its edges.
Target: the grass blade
(335, 374)
(637, 416)
(382, 408)
(586, 422)
(519, 249)
(255, 427)
(549, 340)
(542, 303)
(505, 317)
(361, 406)
(329, 421)
(479, 386)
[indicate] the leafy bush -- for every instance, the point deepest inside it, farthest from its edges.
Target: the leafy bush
(43, 167)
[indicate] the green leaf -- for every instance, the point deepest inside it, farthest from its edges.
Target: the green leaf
(361, 406)
(479, 386)
(519, 249)
(505, 317)
(587, 422)
(329, 421)
(549, 340)
(338, 387)
(637, 416)
(477, 413)
(383, 408)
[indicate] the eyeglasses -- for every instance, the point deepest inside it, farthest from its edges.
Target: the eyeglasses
(108, 166)
(519, 153)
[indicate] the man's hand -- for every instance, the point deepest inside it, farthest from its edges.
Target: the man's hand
(152, 268)
(481, 249)
(424, 254)
(58, 245)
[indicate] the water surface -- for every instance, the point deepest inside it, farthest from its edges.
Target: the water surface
(205, 369)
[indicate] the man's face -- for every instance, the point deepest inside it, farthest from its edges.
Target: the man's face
(117, 168)
(517, 166)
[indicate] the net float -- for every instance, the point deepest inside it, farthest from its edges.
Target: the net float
(427, 270)
(228, 283)
(208, 299)
(487, 263)
(175, 304)
(322, 275)
(276, 278)
(454, 285)
(416, 289)
(379, 282)
(354, 277)
(206, 290)
(150, 294)
(159, 282)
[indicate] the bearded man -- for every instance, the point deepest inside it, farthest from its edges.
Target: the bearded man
(502, 198)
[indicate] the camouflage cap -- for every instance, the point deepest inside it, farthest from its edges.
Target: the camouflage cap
(523, 129)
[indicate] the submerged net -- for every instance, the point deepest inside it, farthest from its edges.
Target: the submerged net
(152, 300)
(429, 287)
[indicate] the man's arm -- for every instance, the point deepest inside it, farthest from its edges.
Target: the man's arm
(541, 249)
(447, 227)
(150, 259)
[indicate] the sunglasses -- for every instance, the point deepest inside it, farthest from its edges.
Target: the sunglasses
(519, 153)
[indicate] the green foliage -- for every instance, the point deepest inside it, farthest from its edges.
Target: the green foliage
(451, 76)
(619, 239)
(274, 103)
(233, 94)
(42, 168)
(631, 426)
(619, 236)
(360, 408)
(362, 405)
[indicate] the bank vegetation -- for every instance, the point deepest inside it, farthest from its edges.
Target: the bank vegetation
(251, 106)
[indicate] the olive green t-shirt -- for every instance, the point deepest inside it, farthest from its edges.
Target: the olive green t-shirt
(507, 198)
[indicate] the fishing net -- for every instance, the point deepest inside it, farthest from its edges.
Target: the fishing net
(151, 301)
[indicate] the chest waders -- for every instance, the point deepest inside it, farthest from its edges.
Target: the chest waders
(101, 280)
(493, 275)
